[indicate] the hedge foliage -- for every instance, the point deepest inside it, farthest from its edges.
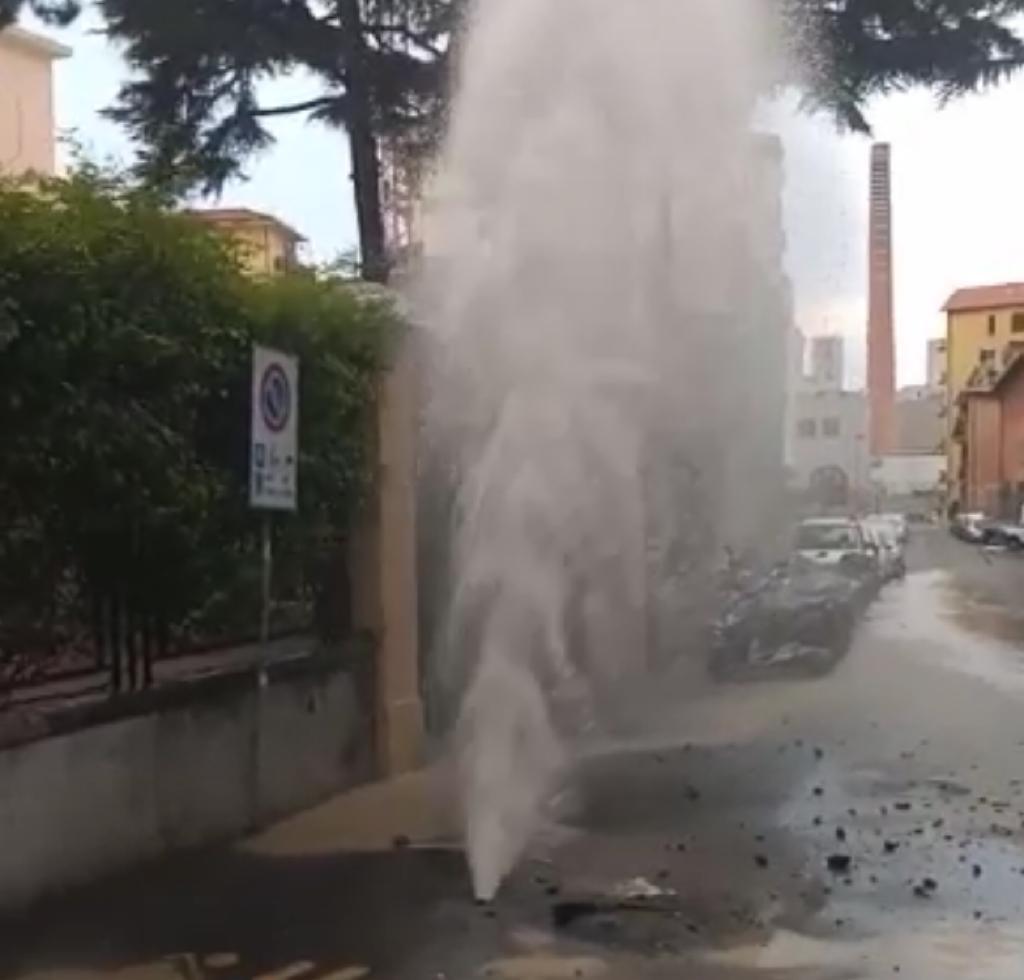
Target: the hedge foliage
(125, 341)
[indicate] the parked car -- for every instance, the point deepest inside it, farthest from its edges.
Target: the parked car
(973, 527)
(1004, 533)
(800, 618)
(889, 544)
(899, 524)
(1014, 536)
(841, 544)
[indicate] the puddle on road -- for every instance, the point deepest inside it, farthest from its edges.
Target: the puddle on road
(948, 951)
(931, 617)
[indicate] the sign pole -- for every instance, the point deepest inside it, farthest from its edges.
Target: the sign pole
(267, 552)
(273, 457)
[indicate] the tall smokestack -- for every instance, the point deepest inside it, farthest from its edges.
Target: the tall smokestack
(881, 343)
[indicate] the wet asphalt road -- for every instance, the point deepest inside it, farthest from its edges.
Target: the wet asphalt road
(905, 767)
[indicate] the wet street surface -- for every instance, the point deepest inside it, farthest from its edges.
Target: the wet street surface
(869, 823)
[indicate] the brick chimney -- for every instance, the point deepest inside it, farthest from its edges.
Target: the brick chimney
(881, 334)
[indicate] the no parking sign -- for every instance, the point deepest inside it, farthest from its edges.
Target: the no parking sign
(274, 448)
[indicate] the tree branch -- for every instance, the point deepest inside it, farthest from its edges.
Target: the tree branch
(406, 34)
(322, 102)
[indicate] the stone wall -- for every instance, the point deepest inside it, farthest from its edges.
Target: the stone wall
(180, 767)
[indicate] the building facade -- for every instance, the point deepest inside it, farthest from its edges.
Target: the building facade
(829, 428)
(266, 245)
(831, 437)
(920, 420)
(828, 365)
(27, 128)
(984, 333)
(989, 424)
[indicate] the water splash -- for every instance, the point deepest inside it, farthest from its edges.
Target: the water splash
(607, 314)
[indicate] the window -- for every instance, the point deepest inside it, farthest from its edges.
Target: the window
(830, 428)
(807, 428)
(992, 325)
(826, 537)
(987, 356)
(1017, 323)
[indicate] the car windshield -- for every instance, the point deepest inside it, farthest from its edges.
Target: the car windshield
(882, 533)
(826, 537)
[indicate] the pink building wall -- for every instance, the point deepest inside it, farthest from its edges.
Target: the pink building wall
(27, 141)
(983, 462)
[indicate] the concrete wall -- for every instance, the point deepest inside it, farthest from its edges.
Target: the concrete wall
(909, 474)
(384, 583)
(215, 760)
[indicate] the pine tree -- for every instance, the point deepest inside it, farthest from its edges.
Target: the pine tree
(382, 65)
(192, 103)
(856, 49)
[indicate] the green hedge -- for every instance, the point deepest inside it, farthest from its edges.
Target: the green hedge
(125, 339)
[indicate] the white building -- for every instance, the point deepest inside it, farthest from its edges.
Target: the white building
(829, 438)
(827, 362)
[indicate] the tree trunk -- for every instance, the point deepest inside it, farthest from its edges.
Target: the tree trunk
(363, 145)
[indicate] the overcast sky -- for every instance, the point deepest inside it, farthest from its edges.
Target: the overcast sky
(957, 188)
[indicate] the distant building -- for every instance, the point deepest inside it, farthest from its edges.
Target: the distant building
(267, 246)
(907, 482)
(937, 363)
(920, 420)
(27, 140)
(827, 362)
(984, 332)
(830, 440)
(911, 476)
(828, 437)
(989, 428)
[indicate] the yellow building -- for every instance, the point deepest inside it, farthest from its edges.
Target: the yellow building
(26, 101)
(267, 246)
(984, 326)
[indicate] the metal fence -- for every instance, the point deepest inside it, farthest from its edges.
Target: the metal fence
(57, 626)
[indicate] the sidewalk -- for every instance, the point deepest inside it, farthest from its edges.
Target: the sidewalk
(323, 895)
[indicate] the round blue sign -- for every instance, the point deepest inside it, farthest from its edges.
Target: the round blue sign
(275, 398)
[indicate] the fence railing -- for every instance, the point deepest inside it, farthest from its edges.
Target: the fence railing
(62, 628)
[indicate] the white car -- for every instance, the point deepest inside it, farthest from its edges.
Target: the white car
(830, 541)
(889, 547)
(899, 524)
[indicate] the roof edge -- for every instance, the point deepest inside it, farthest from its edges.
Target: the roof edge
(970, 299)
(242, 215)
(36, 43)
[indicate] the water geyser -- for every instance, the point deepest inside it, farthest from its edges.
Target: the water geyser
(600, 390)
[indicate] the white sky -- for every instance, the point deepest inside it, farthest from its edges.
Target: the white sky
(958, 177)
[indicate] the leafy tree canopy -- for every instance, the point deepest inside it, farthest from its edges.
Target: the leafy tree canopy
(381, 67)
(125, 339)
(857, 49)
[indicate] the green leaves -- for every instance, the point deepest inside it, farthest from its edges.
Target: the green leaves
(125, 339)
(853, 50)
